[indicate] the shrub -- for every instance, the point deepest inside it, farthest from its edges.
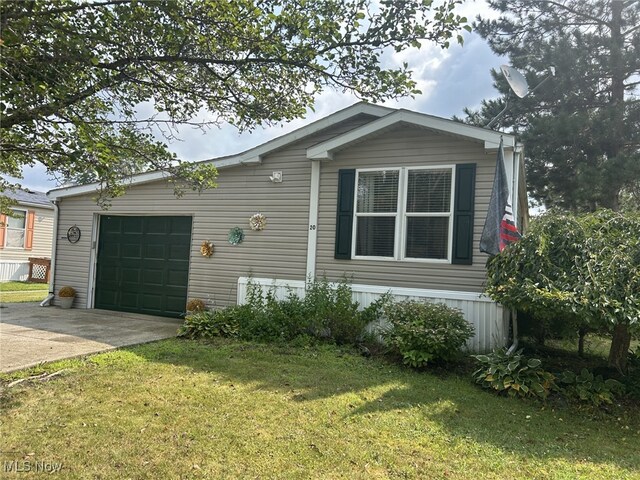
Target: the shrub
(589, 388)
(632, 379)
(195, 305)
(209, 324)
(270, 319)
(344, 322)
(513, 375)
(425, 332)
(67, 292)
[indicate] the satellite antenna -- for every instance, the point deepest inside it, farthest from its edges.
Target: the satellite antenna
(516, 80)
(519, 85)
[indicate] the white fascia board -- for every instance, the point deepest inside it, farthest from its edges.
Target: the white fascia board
(250, 156)
(318, 125)
(491, 138)
(35, 205)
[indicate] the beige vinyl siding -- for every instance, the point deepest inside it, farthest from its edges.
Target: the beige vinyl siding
(279, 251)
(404, 146)
(42, 237)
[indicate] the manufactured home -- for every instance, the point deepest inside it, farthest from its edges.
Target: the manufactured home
(26, 236)
(392, 199)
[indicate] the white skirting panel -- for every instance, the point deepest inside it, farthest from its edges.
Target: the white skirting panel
(14, 271)
(489, 319)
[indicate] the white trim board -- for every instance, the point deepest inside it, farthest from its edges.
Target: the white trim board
(312, 233)
(404, 291)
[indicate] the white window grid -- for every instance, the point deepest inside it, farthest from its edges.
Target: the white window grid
(23, 229)
(399, 247)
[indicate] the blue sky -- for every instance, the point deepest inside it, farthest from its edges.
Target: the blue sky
(449, 79)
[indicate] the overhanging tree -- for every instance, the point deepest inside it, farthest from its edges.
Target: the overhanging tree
(582, 129)
(585, 267)
(74, 73)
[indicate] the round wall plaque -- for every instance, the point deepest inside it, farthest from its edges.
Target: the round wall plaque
(73, 234)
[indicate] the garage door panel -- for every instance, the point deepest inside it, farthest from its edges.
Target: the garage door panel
(175, 304)
(153, 277)
(131, 275)
(181, 225)
(132, 225)
(152, 301)
(142, 267)
(177, 277)
(109, 274)
(158, 252)
(129, 250)
(113, 226)
(129, 299)
(111, 249)
(157, 225)
(106, 297)
(179, 251)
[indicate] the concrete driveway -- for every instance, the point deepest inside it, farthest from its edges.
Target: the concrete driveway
(30, 334)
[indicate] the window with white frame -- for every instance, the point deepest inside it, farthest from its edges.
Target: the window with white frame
(404, 213)
(15, 229)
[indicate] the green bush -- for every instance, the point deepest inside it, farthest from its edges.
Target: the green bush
(327, 312)
(345, 323)
(271, 319)
(425, 332)
(589, 388)
(209, 324)
(513, 375)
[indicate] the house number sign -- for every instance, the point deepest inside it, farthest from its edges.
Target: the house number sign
(73, 234)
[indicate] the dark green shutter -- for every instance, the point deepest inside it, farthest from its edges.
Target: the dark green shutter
(463, 214)
(344, 218)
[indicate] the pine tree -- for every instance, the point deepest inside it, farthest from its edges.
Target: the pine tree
(581, 129)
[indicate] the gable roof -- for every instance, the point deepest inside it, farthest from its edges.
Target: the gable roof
(490, 138)
(29, 197)
(253, 155)
(386, 118)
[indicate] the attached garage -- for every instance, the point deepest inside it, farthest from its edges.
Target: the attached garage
(143, 264)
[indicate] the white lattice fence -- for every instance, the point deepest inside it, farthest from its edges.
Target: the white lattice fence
(14, 271)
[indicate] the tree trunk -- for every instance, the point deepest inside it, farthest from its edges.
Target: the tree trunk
(620, 347)
(582, 332)
(617, 95)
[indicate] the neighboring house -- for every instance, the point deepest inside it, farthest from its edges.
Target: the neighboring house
(392, 199)
(27, 233)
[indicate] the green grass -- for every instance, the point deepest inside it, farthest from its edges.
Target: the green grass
(185, 409)
(19, 292)
(22, 286)
(21, 297)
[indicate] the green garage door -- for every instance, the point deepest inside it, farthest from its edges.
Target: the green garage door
(143, 264)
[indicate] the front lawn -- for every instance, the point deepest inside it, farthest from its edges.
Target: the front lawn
(184, 409)
(15, 292)
(22, 286)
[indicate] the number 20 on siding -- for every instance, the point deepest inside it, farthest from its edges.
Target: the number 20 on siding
(312, 227)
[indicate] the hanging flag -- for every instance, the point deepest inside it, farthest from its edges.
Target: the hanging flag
(499, 227)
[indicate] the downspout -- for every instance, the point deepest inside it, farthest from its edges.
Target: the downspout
(54, 251)
(514, 327)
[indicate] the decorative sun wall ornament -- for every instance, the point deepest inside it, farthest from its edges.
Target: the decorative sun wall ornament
(236, 236)
(258, 221)
(206, 249)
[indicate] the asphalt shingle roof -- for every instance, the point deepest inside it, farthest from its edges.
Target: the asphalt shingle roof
(29, 196)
